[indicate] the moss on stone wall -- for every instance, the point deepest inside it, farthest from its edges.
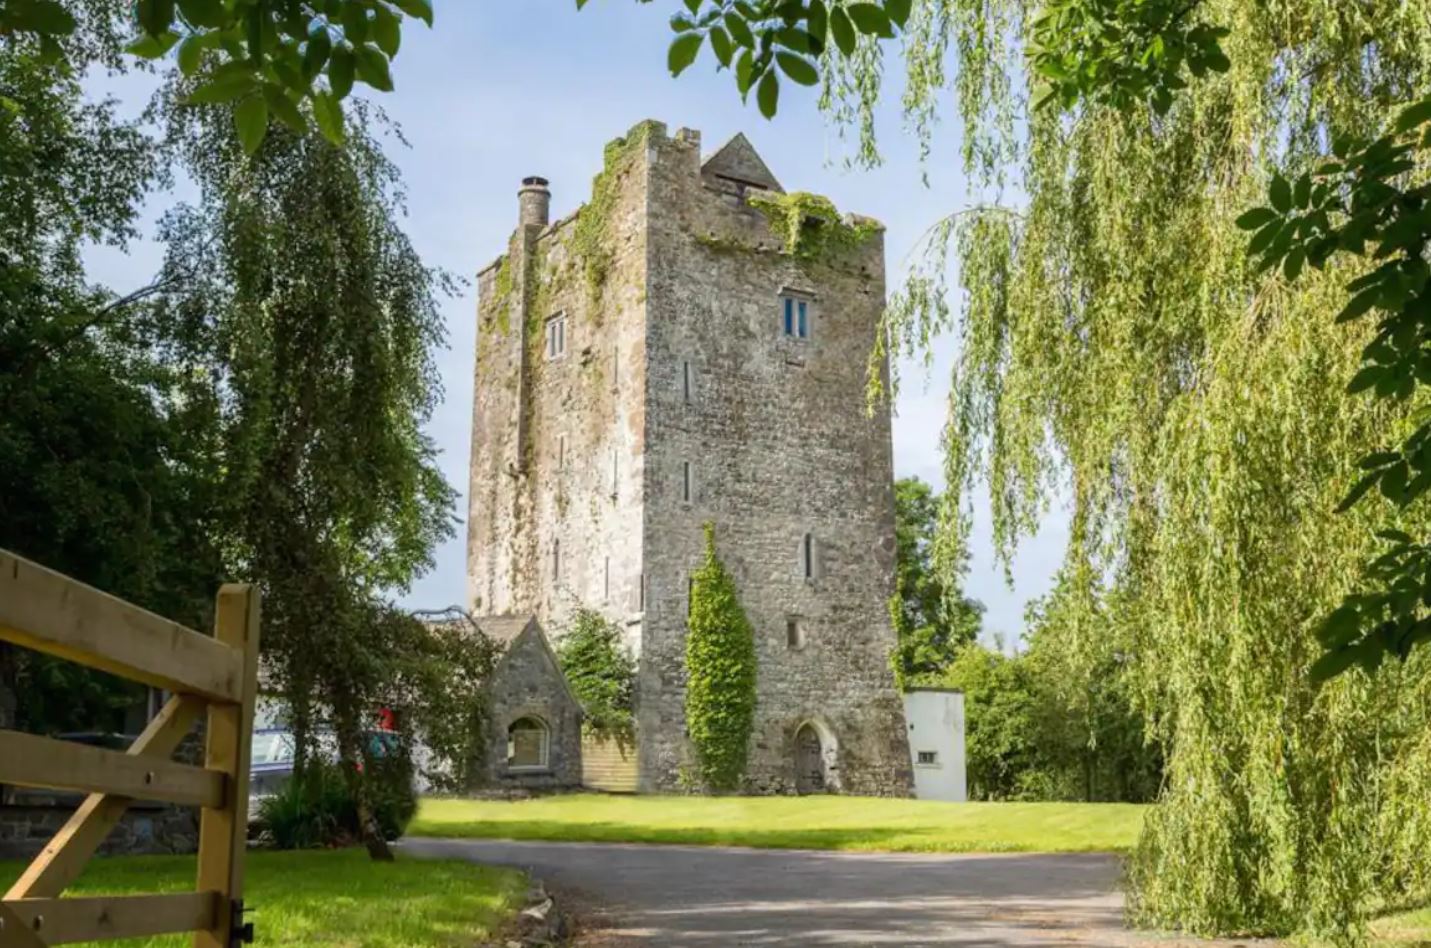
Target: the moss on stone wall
(592, 240)
(809, 224)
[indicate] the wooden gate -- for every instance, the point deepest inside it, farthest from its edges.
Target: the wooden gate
(47, 612)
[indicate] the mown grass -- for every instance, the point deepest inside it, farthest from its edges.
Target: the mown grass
(330, 898)
(815, 822)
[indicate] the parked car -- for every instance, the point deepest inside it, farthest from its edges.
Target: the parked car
(271, 758)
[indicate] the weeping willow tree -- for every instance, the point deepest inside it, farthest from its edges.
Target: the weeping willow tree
(1118, 349)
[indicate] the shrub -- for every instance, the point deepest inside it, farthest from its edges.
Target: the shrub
(319, 810)
(720, 668)
(602, 675)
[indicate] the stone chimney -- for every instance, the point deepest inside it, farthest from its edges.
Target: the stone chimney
(535, 202)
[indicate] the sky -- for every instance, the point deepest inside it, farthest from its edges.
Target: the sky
(498, 91)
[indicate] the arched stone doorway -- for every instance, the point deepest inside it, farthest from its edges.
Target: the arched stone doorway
(811, 775)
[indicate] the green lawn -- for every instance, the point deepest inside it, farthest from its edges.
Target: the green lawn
(334, 898)
(816, 822)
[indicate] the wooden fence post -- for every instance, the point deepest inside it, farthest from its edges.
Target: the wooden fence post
(223, 832)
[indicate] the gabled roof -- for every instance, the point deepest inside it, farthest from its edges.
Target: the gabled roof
(505, 629)
(737, 160)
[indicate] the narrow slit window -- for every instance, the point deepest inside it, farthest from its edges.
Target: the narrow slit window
(561, 453)
(606, 582)
(802, 319)
(640, 592)
(614, 472)
(686, 381)
(690, 593)
(789, 316)
(794, 633)
(807, 555)
(556, 336)
(556, 561)
(686, 481)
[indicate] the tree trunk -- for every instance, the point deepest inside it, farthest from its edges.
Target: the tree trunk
(357, 772)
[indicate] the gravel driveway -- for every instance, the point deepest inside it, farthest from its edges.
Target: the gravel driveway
(700, 895)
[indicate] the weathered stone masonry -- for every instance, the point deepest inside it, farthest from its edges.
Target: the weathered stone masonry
(680, 400)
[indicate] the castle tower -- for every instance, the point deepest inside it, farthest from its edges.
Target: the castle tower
(691, 346)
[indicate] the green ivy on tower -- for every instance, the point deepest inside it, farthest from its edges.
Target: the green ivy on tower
(720, 668)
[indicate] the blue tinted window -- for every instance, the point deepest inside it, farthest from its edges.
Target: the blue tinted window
(804, 324)
(789, 316)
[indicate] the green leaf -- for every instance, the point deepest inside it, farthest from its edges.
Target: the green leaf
(1264, 237)
(683, 52)
(1255, 218)
(1340, 627)
(721, 45)
(1358, 491)
(208, 14)
(224, 87)
(47, 17)
(1395, 536)
(191, 55)
(422, 9)
(767, 94)
(818, 22)
(1280, 193)
(316, 52)
(898, 11)
(1413, 116)
(155, 16)
(797, 68)
(745, 72)
(387, 31)
(284, 109)
(869, 19)
(1332, 664)
(152, 47)
(251, 119)
(328, 113)
(739, 30)
(1292, 265)
(341, 68)
(373, 67)
(1303, 191)
(1359, 305)
(843, 32)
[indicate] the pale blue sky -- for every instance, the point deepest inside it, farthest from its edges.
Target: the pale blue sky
(499, 90)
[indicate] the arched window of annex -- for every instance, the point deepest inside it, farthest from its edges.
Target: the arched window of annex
(528, 742)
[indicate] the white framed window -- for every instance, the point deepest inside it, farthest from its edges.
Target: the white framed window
(795, 316)
(556, 336)
(686, 486)
(528, 742)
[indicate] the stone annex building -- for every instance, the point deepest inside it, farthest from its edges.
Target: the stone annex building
(676, 352)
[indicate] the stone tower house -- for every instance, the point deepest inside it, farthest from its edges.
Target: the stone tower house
(691, 346)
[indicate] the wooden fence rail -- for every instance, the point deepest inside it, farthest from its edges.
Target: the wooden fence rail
(43, 610)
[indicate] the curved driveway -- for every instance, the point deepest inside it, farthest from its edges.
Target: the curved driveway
(702, 895)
